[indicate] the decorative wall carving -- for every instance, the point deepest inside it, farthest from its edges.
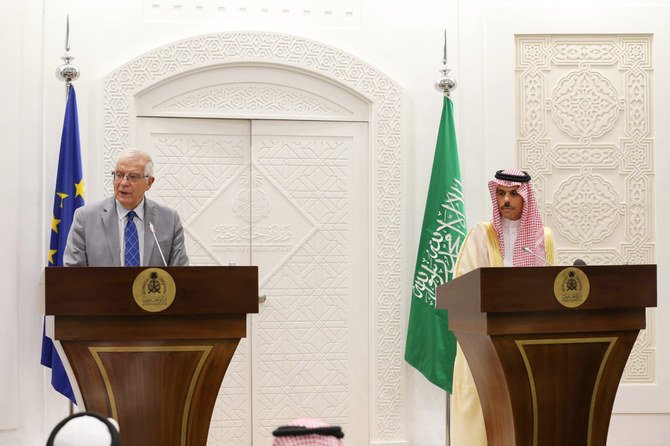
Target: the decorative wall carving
(585, 207)
(584, 133)
(386, 126)
(247, 98)
(584, 104)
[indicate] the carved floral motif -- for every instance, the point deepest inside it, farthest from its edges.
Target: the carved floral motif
(585, 104)
(590, 149)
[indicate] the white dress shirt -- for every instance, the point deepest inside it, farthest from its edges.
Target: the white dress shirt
(510, 231)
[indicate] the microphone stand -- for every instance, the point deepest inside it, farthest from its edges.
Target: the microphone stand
(530, 251)
(151, 227)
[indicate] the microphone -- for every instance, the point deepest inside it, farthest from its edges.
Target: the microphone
(579, 262)
(153, 231)
(530, 251)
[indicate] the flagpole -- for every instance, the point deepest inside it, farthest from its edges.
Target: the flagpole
(446, 84)
(67, 72)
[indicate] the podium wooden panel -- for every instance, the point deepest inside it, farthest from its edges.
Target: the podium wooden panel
(547, 374)
(158, 374)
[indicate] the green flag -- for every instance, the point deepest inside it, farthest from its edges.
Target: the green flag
(431, 347)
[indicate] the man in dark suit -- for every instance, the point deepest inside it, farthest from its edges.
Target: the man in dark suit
(119, 230)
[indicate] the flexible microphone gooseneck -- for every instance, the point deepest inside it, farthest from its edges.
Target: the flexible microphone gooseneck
(530, 251)
(153, 231)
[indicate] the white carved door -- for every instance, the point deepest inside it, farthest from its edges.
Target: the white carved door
(292, 198)
(310, 339)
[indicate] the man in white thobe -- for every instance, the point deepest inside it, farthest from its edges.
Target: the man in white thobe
(515, 236)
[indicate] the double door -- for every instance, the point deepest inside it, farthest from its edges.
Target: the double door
(292, 198)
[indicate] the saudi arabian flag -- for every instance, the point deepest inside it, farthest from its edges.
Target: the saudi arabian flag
(431, 347)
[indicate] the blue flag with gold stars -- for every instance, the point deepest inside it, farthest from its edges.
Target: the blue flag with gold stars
(68, 197)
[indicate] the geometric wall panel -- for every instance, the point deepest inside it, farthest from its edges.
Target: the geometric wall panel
(584, 133)
(309, 335)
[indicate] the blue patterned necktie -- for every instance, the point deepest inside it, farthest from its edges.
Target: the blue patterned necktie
(132, 255)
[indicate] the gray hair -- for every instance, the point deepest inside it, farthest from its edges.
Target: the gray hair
(137, 153)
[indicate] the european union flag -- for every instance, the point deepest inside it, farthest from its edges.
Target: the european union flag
(69, 196)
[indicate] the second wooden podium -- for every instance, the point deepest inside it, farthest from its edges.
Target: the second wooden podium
(547, 346)
(150, 346)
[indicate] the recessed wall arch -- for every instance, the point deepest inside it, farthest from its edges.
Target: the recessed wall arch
(252, 91)
(379, 96)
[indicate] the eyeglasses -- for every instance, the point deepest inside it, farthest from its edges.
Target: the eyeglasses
(132, 177)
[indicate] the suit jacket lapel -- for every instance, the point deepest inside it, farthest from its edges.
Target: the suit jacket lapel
(150, 216)
(110, 222)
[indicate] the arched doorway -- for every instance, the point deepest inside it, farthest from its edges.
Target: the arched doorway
(302, 143)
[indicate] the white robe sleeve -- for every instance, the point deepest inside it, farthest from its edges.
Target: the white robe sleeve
(474, 252)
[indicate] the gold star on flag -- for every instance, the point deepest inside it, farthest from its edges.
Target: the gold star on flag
(62, 197)
(54, 224)
(51, 255)
(79, 189)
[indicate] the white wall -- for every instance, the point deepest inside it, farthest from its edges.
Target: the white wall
(9, 120)
(401, 38)
(24, 227)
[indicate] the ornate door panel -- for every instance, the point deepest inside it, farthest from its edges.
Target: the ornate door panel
(290, 197)
(202, 170)
(309, 239)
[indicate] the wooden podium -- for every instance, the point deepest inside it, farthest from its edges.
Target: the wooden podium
(547, 373)
(157, 373)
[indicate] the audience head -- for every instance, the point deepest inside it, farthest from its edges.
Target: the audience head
(85, 429)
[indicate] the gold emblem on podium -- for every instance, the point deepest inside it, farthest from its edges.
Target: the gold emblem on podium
(571, 287)
(154, 290)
